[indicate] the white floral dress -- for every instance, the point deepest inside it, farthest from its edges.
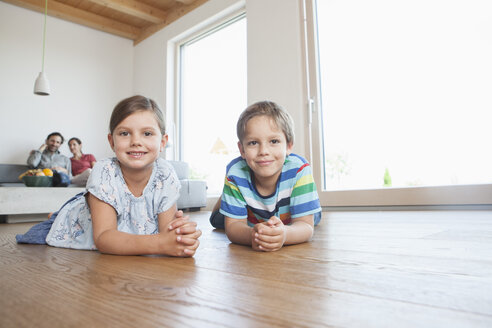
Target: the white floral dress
(72, 227)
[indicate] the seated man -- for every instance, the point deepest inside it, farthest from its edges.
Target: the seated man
(49, 157)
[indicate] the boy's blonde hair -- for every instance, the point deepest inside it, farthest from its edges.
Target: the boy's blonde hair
(272, 110)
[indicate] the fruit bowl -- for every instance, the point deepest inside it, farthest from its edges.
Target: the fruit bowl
(37, 181)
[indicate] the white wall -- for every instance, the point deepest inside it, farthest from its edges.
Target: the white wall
(275, 67)
(89, 72)
(154, 58)
(275, 61)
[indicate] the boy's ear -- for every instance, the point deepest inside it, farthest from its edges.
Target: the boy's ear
(241, 150)
(290, 145)
(165, 139)
(111, 142)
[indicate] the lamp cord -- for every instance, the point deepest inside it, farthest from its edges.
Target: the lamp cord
(44, 33)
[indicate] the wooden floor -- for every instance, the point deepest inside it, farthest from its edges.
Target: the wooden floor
(362, 269)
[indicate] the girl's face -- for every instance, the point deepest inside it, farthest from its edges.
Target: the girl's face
(74, 146)
(137, 141)
(264, 147)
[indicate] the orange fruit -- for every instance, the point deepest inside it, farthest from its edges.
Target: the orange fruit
(48, 172)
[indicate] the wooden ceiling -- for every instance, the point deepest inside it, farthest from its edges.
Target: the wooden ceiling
(131, 19)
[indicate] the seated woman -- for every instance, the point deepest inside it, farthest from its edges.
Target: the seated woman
(81, 163)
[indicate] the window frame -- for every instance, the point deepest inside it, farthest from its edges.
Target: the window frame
(190, 39)
(475, 195)
(196, 34)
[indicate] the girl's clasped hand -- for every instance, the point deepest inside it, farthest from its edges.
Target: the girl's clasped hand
(181, 237)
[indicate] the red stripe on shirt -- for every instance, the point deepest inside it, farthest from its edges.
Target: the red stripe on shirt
(302, 167)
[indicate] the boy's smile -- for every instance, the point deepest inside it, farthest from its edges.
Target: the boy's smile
(264, 148)
(264, 163)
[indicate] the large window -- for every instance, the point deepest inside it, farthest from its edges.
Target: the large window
(403, 89)
(212, 93)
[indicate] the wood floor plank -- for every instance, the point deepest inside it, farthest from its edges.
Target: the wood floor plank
(362, 269)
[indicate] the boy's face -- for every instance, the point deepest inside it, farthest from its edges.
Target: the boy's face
(264, 147)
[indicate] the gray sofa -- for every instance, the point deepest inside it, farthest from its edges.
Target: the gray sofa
(16, 198)
(193, 194)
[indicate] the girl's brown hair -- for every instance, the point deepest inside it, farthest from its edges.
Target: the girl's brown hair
(130, 105)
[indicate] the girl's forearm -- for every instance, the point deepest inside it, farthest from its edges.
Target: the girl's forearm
(122, 243)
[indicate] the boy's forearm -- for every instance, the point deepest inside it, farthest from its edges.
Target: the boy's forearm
(238, 232)
(298, 232)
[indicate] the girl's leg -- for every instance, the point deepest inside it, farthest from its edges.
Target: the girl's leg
(37, 234)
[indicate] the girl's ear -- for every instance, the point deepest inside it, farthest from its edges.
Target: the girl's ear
(241, 149)
(165, 139)
(111, 142)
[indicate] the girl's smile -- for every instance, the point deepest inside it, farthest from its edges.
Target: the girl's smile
(136, 154)
(137, 141)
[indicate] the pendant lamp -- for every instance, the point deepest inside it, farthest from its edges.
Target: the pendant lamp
(42, 86)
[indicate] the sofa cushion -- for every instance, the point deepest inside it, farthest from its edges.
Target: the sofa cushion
(9, 173)
(182, 169)
(193, 194)
(23, 200)
(15, 198)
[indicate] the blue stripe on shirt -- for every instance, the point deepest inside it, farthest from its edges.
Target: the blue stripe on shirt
(240, 181)
(234, 161)
(289, 174)
(305, 207)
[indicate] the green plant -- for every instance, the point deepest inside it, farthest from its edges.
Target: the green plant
(337, 166)
(387, 178)
(196, 175)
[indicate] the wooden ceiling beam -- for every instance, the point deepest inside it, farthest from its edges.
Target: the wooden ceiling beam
(174, 15)
(186, 2)
(156, 17)
(69, 13)
(134, 8)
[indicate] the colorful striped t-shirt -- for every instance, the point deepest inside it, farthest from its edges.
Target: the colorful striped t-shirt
(295, 195)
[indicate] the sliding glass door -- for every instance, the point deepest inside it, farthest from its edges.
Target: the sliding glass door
(212, 94)
(402, 97)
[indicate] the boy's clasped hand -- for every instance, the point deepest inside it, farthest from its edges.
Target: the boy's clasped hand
(268, 236)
